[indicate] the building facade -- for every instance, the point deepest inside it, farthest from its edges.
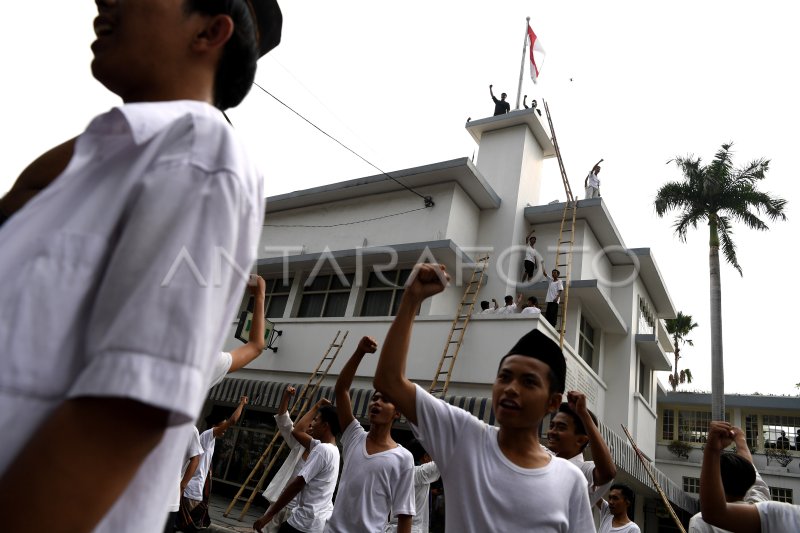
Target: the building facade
(336, 257)
(772, 429)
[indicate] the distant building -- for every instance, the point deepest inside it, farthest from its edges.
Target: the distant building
(321, 247)
(772, 429)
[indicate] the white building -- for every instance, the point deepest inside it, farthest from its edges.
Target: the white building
(321, 249)
(772, 429)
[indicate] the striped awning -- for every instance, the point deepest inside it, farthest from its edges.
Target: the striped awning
(267, 395)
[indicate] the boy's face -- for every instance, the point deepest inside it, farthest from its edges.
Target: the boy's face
(317, 427)
(139, 43)
(617, 503)
(521, 393)
(562, 438)
(382, 410)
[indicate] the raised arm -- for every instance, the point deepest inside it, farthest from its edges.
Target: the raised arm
(390, 376)
(288, 392)
(300, 429)
(343, 406)
(735, 517)
(524, 101)
(244, 355)
(604, 468)
(292, 489)
(742, 449)
(223, 427)
(492, 93)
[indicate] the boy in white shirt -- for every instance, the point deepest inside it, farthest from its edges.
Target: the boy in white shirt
(763, 517)
(315, 482)
(425, 473)
(530, 489)
(574, 428)
(614, 512)
(378, 474)
(296, 460)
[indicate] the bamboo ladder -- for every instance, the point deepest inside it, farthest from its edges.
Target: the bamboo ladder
(299, 407)
(441, 379)
(566, 235)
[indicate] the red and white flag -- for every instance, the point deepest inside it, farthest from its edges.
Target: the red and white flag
(536, 52)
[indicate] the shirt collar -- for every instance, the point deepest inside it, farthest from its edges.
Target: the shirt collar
(577, 460)
(143, 120)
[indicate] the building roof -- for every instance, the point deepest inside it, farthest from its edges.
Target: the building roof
(461, 171)
(596, 215)
(731, 400)
(477, 128)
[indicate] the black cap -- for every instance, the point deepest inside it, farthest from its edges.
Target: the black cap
(539, 346)
(268, 23)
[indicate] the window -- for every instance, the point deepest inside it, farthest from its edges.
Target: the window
(691, 484)
(781, 431)
(586, 342)
(780, 494)
(382, 298)
(277, 294)
(325, 296)
(668, 424)
(751, 431)
(693, 425)
(644, 382)
(646, 322)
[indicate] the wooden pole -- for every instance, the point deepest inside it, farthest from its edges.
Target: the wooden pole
(522, 64)
(646, 465)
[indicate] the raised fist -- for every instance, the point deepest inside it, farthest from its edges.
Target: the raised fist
(426, 280)
(367, 345)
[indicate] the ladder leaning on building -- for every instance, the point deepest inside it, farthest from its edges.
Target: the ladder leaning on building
(299, 407)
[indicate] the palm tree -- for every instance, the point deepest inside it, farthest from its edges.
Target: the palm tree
(680, 327)
(718, 194)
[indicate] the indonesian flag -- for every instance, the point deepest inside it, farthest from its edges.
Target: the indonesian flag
(536, 54)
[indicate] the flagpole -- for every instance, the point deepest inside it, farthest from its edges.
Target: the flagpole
(522, 63)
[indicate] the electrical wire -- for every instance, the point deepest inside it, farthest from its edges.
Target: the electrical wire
(428, 200)
(343, 223)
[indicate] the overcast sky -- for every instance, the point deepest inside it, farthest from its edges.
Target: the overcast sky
(635, 83)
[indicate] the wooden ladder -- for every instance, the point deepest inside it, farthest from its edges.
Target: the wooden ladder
(566, 235)
(441, 379)
(299, 407)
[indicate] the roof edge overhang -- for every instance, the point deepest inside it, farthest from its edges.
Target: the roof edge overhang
(461, 171)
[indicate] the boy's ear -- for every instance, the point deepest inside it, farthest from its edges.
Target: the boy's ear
(555, 402)
(583, 440)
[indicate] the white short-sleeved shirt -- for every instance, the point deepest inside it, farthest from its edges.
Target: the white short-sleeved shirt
(606, 519)
(759, 492)
(553, 288)
(530, 254)
(587, 468)
(315, 501)
(778, 517)
(222, 365)
(593, 180)
(194, 490)
(194, 447)
(497, 494)
(371, 486)
(424, 475)
(128, 257)
(293, 463)
(531, 310)
(507, 309)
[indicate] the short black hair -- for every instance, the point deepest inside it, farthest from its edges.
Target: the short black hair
(237, 66)
(580, 429)
(627, 493)
(484, 304)
(417, 450)
(509, 299)
(738, 475)
(533, 299)
(330, 416)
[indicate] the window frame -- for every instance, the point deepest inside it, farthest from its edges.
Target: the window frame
(326, 292)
